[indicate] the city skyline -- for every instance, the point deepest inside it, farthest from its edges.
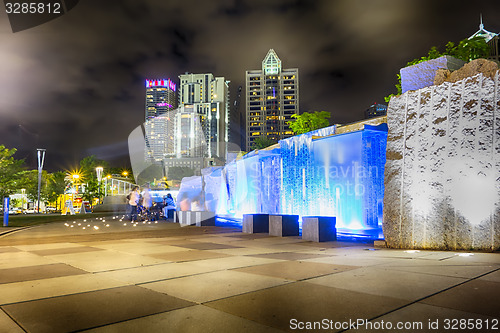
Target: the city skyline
(75, 85)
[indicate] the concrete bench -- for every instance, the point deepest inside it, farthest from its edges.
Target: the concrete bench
(255, 223)
(283, 225)
(200, 219)
(319, 228)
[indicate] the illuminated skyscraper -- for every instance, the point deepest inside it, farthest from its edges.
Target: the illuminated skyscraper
(209, 98)
(161, 100)
(272, 97)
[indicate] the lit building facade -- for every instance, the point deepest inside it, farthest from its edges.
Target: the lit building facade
(271, 98)
(376, 110)
(207, 97)
(491, 39)
(161, 100)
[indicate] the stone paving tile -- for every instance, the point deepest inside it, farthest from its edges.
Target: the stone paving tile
(232, 262)
(189, 255)
(140, 248)
(288, 255)
(174, 242)
(193, 319)
(303, 301)
(37, 289)
(295, 270)
(493, 277)
(37, 272)
(476, 296)
(105, 260)
(154, 273)
(423, 318)
(7, 325)
(67, 250)
(350, 260)
(461, 271)
(8, 249)
(387, 282)
(87, 310)
(216, 285)
(208, 246)
(36, 247)
(21, 259)
(244, 251)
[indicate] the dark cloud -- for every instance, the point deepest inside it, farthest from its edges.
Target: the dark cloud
(76, 84)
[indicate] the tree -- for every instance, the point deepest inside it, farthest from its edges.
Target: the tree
(29, 181)
(55, 185)
(10, 170)
(308, 121)
(88, 166)
(262, 142)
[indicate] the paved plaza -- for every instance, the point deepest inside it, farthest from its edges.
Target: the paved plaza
(159, 277)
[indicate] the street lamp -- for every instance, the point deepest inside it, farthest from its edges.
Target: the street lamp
(23, 193)
(99, 170)
(41, 159)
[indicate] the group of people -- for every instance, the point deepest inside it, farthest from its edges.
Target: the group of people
(142, 203)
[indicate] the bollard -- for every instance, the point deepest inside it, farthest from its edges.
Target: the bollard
(6, 202)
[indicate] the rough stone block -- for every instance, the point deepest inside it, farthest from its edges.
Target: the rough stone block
(283, 225)
(422, 75)
(319, 228)
(255, 223)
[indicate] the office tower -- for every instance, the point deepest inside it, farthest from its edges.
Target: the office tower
(161, 100)
(490, 38)
(272, 97)
(209, 98)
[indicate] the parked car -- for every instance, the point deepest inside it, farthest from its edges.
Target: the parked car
(29, 211)
(15, 211)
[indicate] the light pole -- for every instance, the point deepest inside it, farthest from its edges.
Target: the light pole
(41, 159)
(99, 170)
(23, 193)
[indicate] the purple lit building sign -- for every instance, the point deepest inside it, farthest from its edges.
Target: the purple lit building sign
(161, 83)
(163, 104)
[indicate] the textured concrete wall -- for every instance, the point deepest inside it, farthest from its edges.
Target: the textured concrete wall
(442, 176)
(422, 75)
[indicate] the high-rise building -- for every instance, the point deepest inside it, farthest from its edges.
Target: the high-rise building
(208, 98)
(272, 97)
(161, 100)
(491, 39)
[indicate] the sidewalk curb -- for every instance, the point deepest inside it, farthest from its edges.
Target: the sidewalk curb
(15, 229)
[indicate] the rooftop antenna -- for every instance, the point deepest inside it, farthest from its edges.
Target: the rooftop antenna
(481, 25)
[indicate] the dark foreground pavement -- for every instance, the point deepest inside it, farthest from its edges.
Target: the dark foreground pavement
(116, 277)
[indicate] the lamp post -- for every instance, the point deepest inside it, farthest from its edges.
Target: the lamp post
(99, 170)
(41, 159)
(23, 193)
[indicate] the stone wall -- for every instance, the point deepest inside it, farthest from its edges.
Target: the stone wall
(442, 176)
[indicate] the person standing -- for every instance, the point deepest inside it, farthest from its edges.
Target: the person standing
(133, 202)
(147, 200)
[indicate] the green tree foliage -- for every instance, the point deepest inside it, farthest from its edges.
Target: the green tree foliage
(88, 166)
(10, 171)
(29, 182)
(55, 185)
(308, 121)
(262, 142)
(466, 50)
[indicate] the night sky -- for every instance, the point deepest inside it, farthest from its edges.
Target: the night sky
(75, 85)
